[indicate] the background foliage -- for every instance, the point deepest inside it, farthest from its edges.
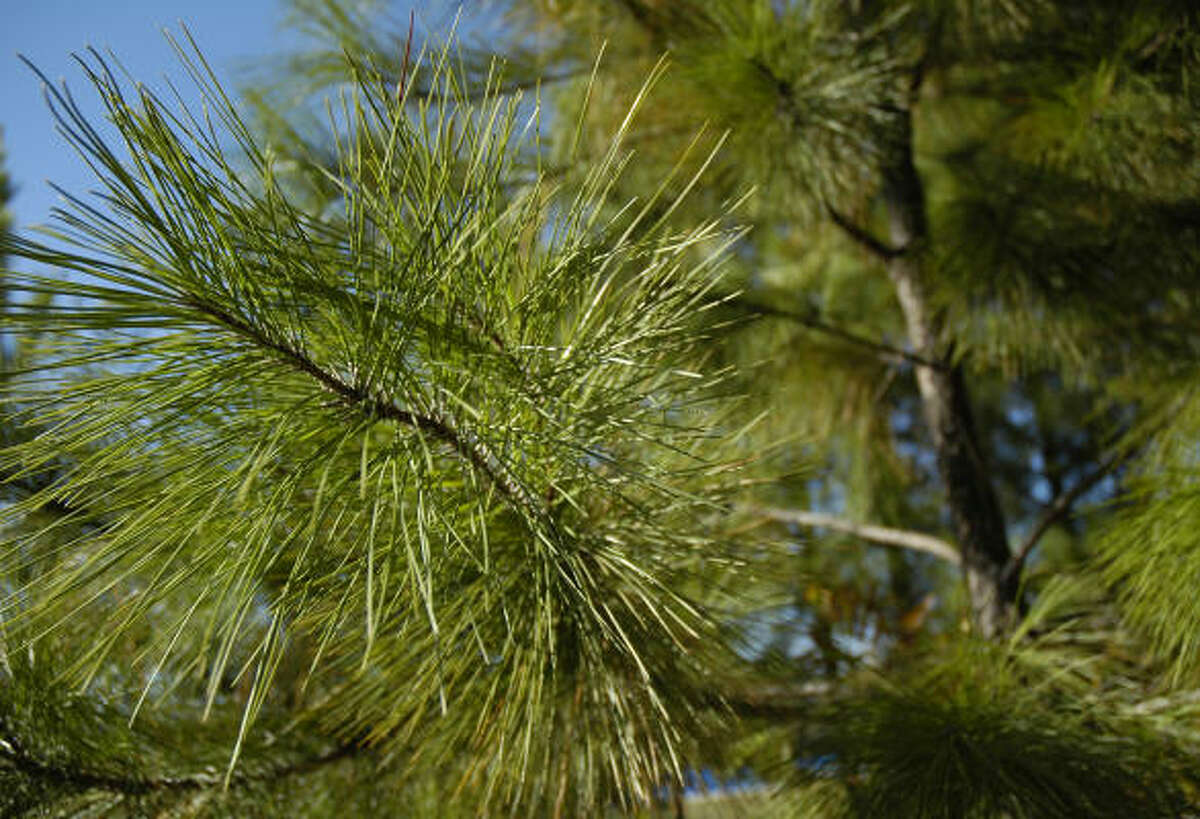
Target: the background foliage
(809, 408)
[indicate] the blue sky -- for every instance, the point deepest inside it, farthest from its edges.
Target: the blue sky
(231, 33)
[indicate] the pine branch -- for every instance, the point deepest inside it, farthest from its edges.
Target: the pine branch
(467, 446)
(79, 779)
(882, 535)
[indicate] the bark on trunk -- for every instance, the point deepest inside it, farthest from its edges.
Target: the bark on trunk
(975, 510)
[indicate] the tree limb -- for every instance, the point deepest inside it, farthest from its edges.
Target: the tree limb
(887, 352)
(883, 535)
(980, 529)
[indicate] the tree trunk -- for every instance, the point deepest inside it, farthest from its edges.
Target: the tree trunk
(974, 508)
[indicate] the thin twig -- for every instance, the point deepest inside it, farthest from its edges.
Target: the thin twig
(883, 535)
(1060, 507)
(773, 701)
(862, 237)
(887, 352)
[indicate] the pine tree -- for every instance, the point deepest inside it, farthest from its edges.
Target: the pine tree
(448, 455)
(941, 161)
